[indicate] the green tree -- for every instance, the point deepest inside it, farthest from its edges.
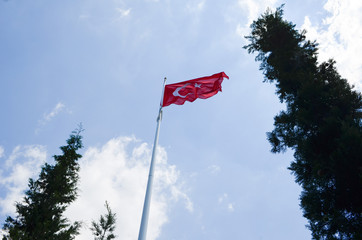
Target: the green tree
(40, 214)
(321, 123)
(106, 226)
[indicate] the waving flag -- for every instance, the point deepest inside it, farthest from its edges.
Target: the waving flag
(204, 87)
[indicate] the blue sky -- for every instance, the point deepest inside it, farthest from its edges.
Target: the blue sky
(102, 63)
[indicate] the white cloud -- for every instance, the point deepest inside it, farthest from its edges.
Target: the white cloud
(225, 203)
(339, 37)
(253, 9)
(223, 197)
(47, 117)
(22, 164)
(56, 110)
(118, 174)
(124, 12)
(231, 207)
(1, 151)
(196, 6)
(214, 169)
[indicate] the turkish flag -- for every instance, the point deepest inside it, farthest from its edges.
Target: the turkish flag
(204, 87)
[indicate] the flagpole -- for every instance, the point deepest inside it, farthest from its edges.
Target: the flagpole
(146, 206)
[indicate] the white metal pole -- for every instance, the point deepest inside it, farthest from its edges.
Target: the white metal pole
(146, 207)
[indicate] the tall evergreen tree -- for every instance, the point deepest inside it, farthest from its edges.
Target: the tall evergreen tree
(40, 214)
(104, 229)
(322, 124)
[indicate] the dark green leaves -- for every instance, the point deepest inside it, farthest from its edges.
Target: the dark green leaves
(322, 124)
(104, 228)
(40, 215)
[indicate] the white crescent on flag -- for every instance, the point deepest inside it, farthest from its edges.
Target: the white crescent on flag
(177, 94)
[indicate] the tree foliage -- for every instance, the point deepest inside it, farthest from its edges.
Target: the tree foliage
(40, 214)
(103, 230)
(321, 123)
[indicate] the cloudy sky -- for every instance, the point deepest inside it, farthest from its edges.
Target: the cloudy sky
(102, 63)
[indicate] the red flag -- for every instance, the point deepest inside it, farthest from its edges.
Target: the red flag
(204, 87)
